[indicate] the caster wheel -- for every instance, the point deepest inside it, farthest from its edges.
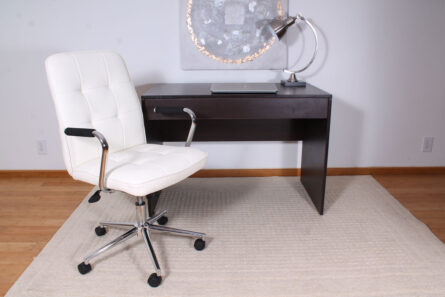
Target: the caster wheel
(84, 268)
(95, 197)
(162, 220)
(100, 231)
(199, 244)
(154, 280)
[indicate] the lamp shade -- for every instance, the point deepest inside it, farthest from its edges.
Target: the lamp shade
(279, 27)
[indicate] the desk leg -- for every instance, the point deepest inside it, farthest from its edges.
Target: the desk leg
(314, 161)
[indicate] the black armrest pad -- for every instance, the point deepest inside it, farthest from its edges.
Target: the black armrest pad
(169, 110)
(82, 132)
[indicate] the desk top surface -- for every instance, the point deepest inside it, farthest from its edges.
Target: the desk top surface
(203, 90)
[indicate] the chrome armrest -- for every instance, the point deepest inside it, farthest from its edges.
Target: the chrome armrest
(179, 111)
(192, 126)
(103, 162)
(85, 132)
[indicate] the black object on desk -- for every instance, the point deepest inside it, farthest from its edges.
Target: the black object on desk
(289, 115)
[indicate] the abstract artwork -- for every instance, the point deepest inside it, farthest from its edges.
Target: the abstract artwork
(231, 34)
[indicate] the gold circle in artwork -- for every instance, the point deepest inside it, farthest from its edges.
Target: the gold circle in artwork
(232, 31)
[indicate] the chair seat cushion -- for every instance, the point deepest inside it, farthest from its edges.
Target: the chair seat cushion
(143, 169)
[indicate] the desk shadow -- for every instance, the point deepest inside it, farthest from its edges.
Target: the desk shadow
(294, 182)
(345, 142)
(290, 154)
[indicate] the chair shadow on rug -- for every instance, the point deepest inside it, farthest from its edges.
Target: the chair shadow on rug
(200, 201)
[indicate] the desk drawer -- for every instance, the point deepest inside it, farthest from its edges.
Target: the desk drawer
(241, 108)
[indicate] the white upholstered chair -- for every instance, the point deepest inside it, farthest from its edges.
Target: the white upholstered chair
(95, 98)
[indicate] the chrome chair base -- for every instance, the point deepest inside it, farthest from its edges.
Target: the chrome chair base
(141, 228)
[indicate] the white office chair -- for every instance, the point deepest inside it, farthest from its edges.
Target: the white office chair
(94, 97)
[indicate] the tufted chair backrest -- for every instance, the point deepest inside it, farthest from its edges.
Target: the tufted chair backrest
(92, 89)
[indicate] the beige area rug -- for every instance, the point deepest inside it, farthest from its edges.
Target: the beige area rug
(265, 239)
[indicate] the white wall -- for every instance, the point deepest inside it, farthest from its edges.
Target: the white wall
(382, 60)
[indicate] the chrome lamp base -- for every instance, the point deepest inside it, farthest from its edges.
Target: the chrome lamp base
(142, 229)
(287, 83)
(293, 82)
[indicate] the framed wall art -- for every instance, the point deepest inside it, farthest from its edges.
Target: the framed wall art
(231, 34)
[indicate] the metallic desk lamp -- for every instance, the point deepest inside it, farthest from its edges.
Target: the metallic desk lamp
(279, 28)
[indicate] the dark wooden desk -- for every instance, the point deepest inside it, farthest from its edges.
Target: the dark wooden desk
(291, 114)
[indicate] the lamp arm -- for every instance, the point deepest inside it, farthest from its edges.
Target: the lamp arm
(314, 55)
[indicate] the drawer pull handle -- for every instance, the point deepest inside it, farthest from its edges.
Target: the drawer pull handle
(169, 110)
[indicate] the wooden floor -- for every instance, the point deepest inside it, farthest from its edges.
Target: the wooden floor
(423, 195)
(33, 209)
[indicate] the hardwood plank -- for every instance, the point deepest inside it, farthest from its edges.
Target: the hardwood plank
(33, 206)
